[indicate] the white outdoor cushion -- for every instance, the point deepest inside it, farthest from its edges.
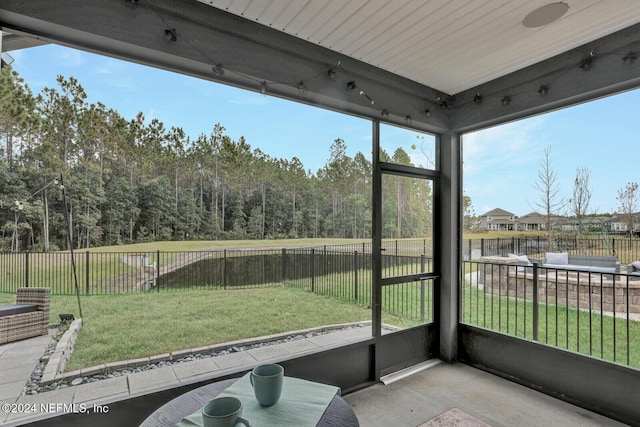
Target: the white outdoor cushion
(610, 270)
(594, 269)
(557, 258)
(558, 266)
(520, 258)
(636, 265)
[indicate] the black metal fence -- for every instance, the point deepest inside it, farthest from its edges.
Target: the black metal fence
(592, 313)
(122, 272)
(340, 271)
(625, 248)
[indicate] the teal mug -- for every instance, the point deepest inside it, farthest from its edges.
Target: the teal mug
(223, 412)
(267, 383)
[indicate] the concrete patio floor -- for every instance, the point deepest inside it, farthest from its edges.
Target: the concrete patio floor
(497, 402)
(17, 362)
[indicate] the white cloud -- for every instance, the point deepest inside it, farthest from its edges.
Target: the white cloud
(104, 69)
(71, 58)
(251, 100)
(514, 145)
(127, 83)
(117, 75)
(501, 163)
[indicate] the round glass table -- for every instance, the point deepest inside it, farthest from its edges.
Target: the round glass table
(338, 413)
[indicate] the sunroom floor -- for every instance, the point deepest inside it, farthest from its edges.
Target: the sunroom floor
(478, 396)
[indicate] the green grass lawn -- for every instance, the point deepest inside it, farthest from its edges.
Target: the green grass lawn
(120, 327)
(129, 326)
(567, 328)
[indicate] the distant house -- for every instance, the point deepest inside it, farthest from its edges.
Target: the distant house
(538, 222)
(619, 223)
(532, 221)
(497, 219)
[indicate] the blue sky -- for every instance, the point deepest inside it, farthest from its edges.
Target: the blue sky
(501, 164)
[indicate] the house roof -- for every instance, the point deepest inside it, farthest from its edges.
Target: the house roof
(623, 217)
(532, 218)
(497, 212)
(535, 216)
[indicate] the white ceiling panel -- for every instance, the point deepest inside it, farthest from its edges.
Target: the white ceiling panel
(351, 26)
(450, 45)
(342, 9)
(372, 30)
(279, 14)
(239, 6)
(310, 18)
(323, 24)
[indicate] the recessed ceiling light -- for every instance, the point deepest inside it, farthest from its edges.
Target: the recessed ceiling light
(545, 15)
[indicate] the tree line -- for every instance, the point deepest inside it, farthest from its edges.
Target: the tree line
(578, 206)
(133, 180)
